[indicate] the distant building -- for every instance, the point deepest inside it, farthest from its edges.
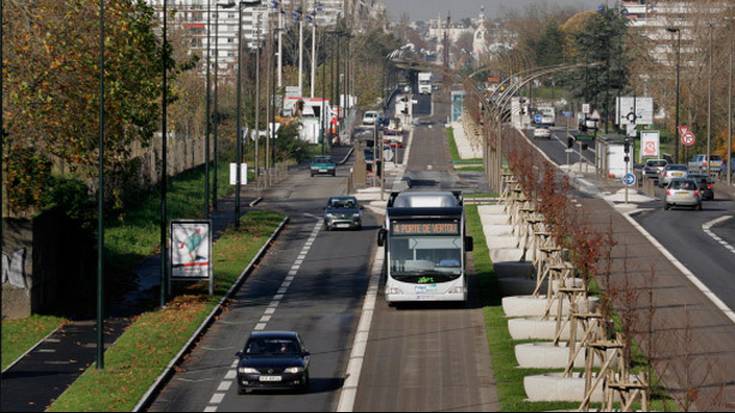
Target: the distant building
(256, 21)
(651, 19)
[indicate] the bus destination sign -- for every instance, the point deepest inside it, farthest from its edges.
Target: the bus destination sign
(425, 228)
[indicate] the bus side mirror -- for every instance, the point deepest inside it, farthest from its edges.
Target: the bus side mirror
(469, 244)
(381, 237)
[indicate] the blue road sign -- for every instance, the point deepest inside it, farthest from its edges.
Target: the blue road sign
(538, 118)
(630, 179)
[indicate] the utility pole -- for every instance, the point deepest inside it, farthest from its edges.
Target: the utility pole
(100, 190)
(238, 130)
(709, 105)
(729, 114)
(208, 116)
(268, 81)
(257, 99)
(280, 45)
(313, 53)
(164, 158)
(301, 49)
(678, 89)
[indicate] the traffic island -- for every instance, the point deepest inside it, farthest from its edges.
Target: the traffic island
(148, 351)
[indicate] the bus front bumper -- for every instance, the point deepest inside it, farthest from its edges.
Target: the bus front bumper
(396, 295)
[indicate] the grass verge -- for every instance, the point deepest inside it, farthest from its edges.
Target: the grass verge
(140, 355)
(135, 235)
(453, 151)
(20, 335)
(508, 377)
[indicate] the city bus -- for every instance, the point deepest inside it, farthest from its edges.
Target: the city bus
(425, 245)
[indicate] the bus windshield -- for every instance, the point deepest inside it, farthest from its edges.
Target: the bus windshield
(425, 259)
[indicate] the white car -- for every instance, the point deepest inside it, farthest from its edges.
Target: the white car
(542, 133)
(369, 118)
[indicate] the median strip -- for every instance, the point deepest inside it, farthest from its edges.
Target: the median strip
(143, 358)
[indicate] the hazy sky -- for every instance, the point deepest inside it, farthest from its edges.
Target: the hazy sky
(423, 9)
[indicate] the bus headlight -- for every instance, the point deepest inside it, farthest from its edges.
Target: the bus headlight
(457, 290)
(394, 291)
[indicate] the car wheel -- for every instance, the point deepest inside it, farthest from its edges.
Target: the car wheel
(666, 207)
(242, 391)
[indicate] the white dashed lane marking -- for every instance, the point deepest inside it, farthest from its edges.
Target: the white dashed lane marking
(227, 382)
(707, 228)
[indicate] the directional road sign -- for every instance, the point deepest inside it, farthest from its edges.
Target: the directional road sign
(630, 179)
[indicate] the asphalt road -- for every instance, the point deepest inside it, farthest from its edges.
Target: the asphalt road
(556, 146)
(321, 303)
(680, 231)
(427, 357)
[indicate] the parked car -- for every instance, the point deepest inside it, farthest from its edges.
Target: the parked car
(700, 163)
(706, 185)
(343, 212)
(653, 168)
(672, 171)
(370, 118)
(542, 133)
(323, 165)
(683, 192)
(273, 360)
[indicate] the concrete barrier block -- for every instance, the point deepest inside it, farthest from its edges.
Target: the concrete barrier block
(547, 356)
(534, 328)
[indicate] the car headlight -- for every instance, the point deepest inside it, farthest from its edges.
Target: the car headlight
(248, 370)
(356, 215)
(294, 370)
(330, 216)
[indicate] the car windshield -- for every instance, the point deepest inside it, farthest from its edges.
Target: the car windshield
(716, 158)
(272, 346)
(425, 259)
(342, 203)
(677, 168)
(322, 159)
(684, 185)
(656, 163)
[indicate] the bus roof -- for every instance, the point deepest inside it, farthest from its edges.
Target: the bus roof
(425, 200)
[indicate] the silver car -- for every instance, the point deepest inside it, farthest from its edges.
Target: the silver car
(673, 171)
(683, 192)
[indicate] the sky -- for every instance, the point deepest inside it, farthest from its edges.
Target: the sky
(424, 9)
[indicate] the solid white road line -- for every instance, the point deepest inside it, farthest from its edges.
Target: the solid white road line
(359, 346)
(690, 276)
(707, 228)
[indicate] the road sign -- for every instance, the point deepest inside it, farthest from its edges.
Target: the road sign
(191, 249)
(688, 138)
(243, 174)
(632, 132)
(586, 108)
(650, 144)
(538, 118)
(630, 179)
(641, 109)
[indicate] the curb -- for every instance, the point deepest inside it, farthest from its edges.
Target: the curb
(255, 202)
(347, 157)
(153, 391)
(38, 343)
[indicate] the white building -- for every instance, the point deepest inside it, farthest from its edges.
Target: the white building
(652, 18)
(192, 16)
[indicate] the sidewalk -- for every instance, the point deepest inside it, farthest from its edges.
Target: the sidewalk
(44, 373)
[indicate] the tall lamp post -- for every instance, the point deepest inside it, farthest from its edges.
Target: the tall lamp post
(729, 114)
(208, 117)
(709, 104)
(100, 197)
(164, 157)
(238, 131)
(215, 114)
(678, 88)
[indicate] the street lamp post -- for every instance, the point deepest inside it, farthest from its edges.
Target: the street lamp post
(216, 115)
(100, 196)
(164, 158)
(208, 118)
(238, 131)
(257, 101)
(709, 104)
(678, 89)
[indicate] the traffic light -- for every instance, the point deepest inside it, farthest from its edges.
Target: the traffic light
(570, 142)
(627, 146)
